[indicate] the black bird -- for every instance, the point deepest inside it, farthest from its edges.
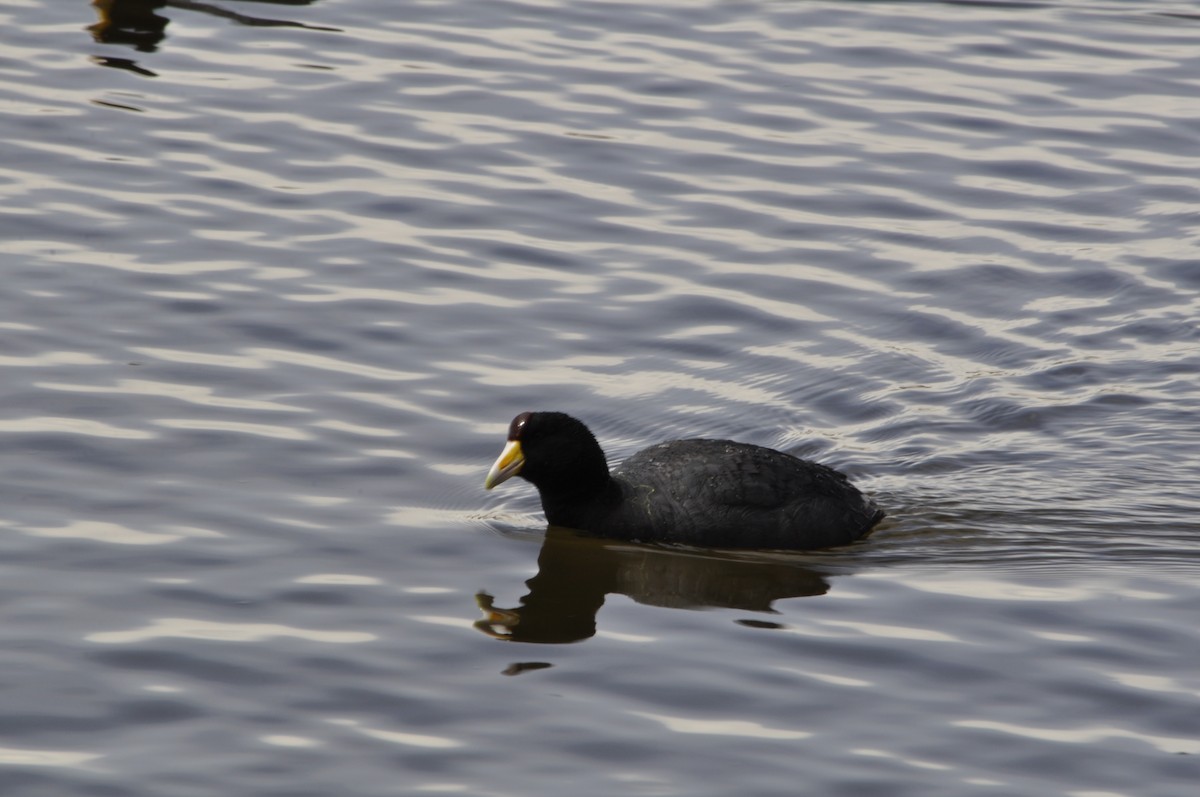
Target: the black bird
(706, 493)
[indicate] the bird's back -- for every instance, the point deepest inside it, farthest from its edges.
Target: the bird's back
(708, 492)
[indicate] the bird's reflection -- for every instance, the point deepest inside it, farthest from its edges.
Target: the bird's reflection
(132, 22)
(576, 572)
(137, 23)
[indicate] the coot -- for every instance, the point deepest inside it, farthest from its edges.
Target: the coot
(706, 493)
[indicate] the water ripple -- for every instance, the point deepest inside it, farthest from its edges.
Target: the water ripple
(185, 628)
(279, 274)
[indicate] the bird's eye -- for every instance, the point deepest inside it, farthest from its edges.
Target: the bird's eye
(518, 426)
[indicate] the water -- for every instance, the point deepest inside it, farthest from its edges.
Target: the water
(278, 275)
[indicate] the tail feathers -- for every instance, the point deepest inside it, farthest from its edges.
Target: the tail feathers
(870, 524)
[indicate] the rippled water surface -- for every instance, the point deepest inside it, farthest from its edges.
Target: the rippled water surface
(277, 275)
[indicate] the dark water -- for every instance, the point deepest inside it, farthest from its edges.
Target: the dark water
(278, 274)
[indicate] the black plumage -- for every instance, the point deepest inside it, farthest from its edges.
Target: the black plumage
(707, 493)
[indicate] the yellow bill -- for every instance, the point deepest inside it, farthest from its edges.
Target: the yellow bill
(508, 465)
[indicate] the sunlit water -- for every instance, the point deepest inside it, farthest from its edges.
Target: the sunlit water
(277, 275)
